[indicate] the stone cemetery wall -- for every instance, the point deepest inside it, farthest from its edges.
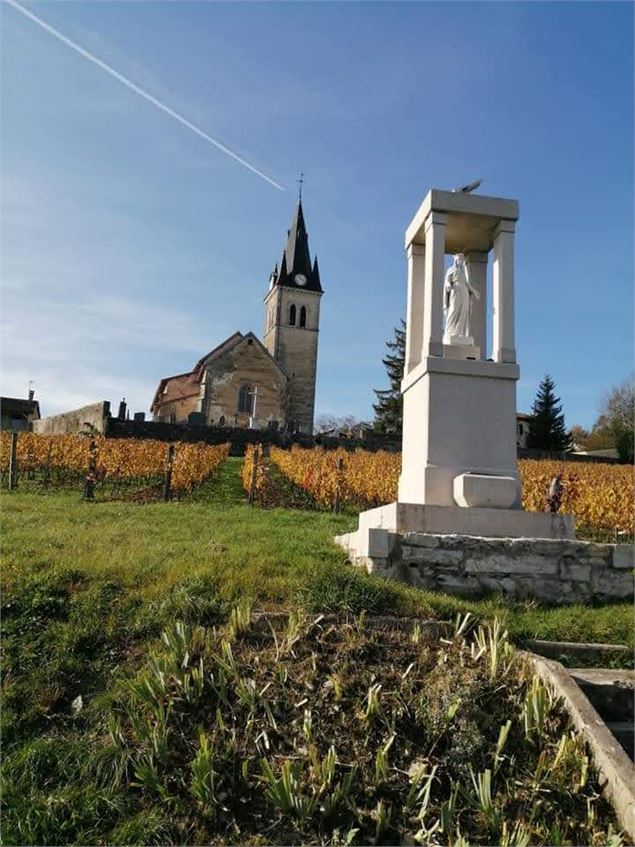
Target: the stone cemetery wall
(239, 438)
(94, 416)
(557, 571)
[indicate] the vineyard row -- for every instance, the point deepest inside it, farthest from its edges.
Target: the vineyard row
(599, 495)
(67, 458)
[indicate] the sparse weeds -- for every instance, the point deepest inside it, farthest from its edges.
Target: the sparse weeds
(320, 734)
(203, 777)
(516, 835)
(491, 642)
(482, 798)
(240, 618)
(373, 705)
(285, 792)
(381, 762)
(503, 735)
(538, 703)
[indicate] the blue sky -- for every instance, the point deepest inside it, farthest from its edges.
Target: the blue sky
(130, 246)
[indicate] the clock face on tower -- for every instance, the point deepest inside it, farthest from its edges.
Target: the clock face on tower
(300, 279)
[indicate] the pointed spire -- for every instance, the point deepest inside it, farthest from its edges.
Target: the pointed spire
(297, 249)
(315, 275)
(296, 257)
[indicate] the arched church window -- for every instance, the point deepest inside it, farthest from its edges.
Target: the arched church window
(303, 316)
(245, 399)
(292, 311)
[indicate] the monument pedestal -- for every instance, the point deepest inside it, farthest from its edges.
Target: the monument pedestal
(459, 434)
(459, 490)
(401, 518)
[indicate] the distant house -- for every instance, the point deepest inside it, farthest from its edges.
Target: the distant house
(17, 415)
(608, 453)
(522, 428)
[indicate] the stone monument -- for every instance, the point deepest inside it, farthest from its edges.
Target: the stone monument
(459, 474)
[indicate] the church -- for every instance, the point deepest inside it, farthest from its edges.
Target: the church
(248, 382)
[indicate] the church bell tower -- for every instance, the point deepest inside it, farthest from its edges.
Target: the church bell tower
(292, 322)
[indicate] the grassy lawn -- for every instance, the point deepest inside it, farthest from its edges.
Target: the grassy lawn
(152, 547)
(276, 557)
(88, 590)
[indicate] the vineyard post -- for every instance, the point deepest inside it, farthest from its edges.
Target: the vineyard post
(47, 469)
(254, 474)
(89, 482)
(338, 485)
(13, 462)
(167, 481)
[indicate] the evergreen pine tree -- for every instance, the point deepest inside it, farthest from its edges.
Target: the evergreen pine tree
(546, 429)
(389, 406)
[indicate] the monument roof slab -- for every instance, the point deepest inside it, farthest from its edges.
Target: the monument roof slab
(471, 219)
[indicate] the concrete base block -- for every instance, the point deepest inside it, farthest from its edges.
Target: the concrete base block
(485, 491)
(456, 520)
(467, 350)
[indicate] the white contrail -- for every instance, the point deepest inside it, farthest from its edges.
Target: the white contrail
(129, 84)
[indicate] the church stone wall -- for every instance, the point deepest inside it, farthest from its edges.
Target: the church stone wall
(298, 349)
(246, 363)
(179, 409)
(295, 348)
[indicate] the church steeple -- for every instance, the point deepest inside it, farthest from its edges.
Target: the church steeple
(296, 270)
(292, 322)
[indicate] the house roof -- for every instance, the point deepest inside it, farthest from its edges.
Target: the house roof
(17, 405)
(176, 387)
(607, 453)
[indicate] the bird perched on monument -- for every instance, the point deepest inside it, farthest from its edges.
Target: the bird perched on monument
(467, 189)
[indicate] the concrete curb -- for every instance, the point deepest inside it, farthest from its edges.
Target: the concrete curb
(614, 766)
(575, 649)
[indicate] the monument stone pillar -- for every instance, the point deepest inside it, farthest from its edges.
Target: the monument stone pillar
(434, 238)
(414, 309)
(476, 262)
(503, 275)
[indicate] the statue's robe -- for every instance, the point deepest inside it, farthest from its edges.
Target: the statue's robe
(457, 296)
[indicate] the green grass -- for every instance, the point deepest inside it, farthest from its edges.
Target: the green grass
(89, 587)
(152, 547)
(276, 557)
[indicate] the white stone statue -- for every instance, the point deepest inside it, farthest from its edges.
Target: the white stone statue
(457, 303)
